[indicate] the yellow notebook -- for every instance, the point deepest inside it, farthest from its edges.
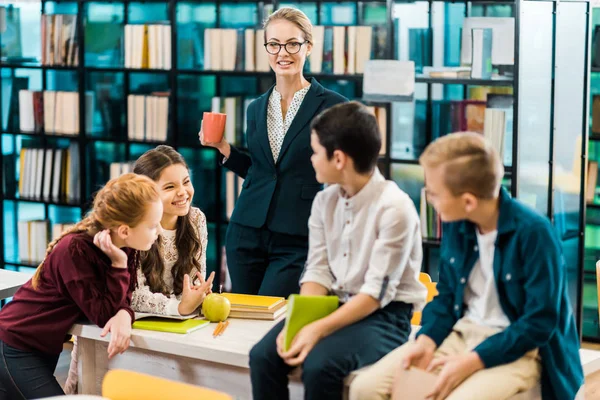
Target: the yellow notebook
(302, 310)
(170, 325)
(252, 301)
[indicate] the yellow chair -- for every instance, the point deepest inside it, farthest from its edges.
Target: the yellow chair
(129, 385)
(425, 279)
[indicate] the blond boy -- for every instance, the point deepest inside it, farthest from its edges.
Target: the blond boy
(502, 320)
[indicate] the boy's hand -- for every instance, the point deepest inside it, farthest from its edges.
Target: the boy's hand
(455, 369)
(421, 353)
(302, 344)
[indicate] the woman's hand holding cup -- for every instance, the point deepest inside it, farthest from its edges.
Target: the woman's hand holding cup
(212, 131)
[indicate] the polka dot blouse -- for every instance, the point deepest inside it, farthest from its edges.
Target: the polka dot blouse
(277, 126)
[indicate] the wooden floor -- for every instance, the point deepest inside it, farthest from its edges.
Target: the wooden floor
(592, 383)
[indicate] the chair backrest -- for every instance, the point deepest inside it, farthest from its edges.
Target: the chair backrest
(425, 279)
(129, 385)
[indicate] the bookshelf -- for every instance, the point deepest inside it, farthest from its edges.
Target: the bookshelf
(427, 32)
(591, 328)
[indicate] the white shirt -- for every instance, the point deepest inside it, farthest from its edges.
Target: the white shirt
(143, 299)
(481, 295)
(369, 243)
(277, 126)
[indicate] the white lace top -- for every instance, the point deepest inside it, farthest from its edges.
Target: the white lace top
(144, 300)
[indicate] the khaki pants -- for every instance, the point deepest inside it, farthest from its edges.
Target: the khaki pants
(498, 383)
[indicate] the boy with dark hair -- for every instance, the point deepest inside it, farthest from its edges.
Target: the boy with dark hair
(503, 300)
(365, 248)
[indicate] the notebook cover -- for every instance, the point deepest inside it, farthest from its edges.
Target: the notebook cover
(252, 301)
(302, 310)
(170, 325)
(413, 383)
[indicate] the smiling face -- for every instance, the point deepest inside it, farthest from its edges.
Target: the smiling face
(280, 32)
(176, 190)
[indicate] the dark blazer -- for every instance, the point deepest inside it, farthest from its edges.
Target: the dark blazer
(279, 195)
(530, 274)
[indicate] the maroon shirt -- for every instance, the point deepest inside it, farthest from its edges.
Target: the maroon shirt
(77, 282)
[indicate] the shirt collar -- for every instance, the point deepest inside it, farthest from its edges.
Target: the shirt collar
(365, 194)
(275, 95)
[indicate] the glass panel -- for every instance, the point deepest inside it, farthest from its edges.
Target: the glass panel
(454, 18)
(137, 149)
(192, 20)
(338, 14)
(203, 164)
(487, 10)
(60, 7)
(346, 88)
(569, 129)
(99, 156)
(21, 39)
(14, 80)
(62, 80)
(310, 9)
(64, 215)
(535, 83)
(410, 178)
(412, 33)
(211, 253)
(590, 307)
(11, 245)
(195, 97)
(108, 119)
(143, 13)
(147, 83)
(104, 33)
(431, 262)
(238, 15)
(375, 15)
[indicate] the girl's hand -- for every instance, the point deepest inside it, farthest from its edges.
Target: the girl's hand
(103, 241)
(193, 296)
(119, 327)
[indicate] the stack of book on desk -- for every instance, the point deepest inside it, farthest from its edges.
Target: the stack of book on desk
(256, 307)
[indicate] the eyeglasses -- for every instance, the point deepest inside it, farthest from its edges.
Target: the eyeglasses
(290, 47)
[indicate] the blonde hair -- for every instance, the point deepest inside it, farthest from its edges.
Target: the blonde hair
(122, 201)
(294, 16)
(471, 164)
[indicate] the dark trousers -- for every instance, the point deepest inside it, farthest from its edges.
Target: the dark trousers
(333, 358)
(264, 262)
(27, 375)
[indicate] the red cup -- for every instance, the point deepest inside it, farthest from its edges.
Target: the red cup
(213, 126)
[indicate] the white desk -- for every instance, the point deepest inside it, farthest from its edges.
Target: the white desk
(11, 281)
(197, 358)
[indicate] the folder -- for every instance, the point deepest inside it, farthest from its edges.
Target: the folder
(170, 325)
(302, 310)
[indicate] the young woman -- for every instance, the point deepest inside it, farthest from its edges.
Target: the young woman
(89, 271)
(267, 238)
(178, 257)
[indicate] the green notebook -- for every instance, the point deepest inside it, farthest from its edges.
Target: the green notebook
(302, 310)
(170, 325)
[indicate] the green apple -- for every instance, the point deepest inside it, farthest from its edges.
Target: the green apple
(216, 307)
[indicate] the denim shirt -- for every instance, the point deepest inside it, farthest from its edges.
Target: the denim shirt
(529, 270)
